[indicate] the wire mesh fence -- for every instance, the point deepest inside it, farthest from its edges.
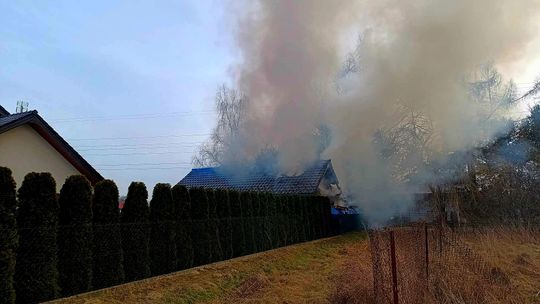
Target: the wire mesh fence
(412, 264)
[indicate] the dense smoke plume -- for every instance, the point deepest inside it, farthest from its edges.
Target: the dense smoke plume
(413, 55)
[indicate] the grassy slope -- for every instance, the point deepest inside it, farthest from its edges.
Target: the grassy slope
(300, 273)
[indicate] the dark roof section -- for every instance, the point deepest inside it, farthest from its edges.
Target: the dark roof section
(215, 178)
(3, 112)
(33, 119)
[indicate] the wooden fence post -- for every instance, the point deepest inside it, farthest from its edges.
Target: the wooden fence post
(426, 234)
(440, 237)
(394, 268)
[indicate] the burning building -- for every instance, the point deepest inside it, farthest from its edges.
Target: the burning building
(319, 179)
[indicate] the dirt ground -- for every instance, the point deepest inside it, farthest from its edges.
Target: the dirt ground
(312, 272)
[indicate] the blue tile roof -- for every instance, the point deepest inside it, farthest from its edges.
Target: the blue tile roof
(216, 178)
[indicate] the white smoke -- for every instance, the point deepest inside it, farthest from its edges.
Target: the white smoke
(415, 55)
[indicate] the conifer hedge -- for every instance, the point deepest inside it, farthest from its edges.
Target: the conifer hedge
(224, 224)
(257, 223)
(213, 226)
(265, 237)
(75, 238)
(108, 256)
(246, 199)
(135, 233)
(163, 230)
(184, 247)
(36, 274)
(285, 236)
(200, 235)
(238, 235)
(8, 235)
(308, 206)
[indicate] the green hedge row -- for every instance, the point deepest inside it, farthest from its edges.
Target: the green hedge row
(60, 245)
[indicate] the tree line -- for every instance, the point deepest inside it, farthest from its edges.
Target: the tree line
(56, 245)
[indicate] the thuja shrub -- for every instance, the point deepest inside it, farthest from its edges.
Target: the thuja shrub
(238, 236)
(8, 235)
(135, 233)
(327, 216)
(300, 218)
(213, 226)
(264, 222)
(317, 217)
(200, 235)
(308, 217)
(286, 234)
(75, 239)
(271, 223)
(163, 230)
(108, 267)
(225, 224)
(36, 273)
(259, 203)
(247, 219)
(184, 247)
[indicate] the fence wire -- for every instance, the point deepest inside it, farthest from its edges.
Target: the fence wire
(413, 262)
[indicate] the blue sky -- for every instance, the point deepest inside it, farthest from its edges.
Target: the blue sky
(115, 78)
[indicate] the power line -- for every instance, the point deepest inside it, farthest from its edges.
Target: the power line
(137, 148)
(144, 164)
(143, 145)
(136, 153)
(138, 137)
(138, 168)
(128, 117)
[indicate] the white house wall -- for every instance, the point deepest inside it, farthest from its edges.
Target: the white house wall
(23, 150)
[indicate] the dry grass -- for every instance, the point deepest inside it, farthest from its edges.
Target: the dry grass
(498, 265)
(303, 273)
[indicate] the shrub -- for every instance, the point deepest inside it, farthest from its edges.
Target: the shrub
(273, 221)
(327, 216)
(38, 220)
(247, 219)
(299, 216)
(257, 222)
(184, 247)
(200, 236)
(213, 229)
(264, 222)
(225, 224)
(108, 256)
(163, 234)
(75, 238)
(135, 233)
(290, 213)
(317, 217)
(238, 235)
(307, 203)
(9, 237)
(285, 226)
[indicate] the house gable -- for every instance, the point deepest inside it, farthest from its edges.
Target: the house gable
(41, 132)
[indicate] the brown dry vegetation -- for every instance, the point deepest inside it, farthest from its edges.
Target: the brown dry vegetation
(303, 273)
(498, 265)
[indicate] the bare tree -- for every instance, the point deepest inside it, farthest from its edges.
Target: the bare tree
(231, 107)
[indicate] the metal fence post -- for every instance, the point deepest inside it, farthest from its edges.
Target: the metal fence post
(394, 268)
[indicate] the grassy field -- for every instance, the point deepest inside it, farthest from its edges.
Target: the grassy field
(339, 270)
(305, 273)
